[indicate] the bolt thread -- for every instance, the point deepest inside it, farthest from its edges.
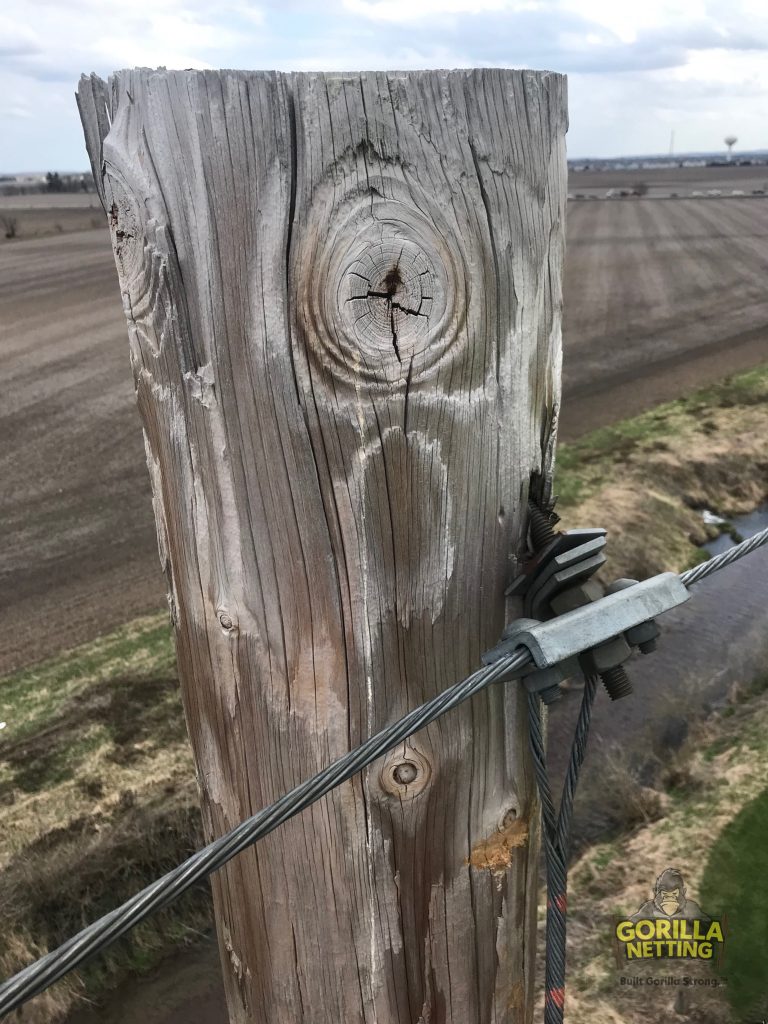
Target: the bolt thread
(550, 694)
(541, 527)
(616, 682)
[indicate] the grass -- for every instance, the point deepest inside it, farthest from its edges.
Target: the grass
(648, 478)
(97, 791)
(30, 697)
(714, 832)
(735, 884)
(97, 798)
(37, 222)
(580, 465)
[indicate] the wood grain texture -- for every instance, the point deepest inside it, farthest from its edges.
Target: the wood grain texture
(343, 295)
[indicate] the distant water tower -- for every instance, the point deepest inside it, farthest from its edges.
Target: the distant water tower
(730, 141)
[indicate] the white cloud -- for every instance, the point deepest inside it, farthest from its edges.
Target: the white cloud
(413, 10)
(636, 70)
(85, 34)
(628, 20)
(15, 110)
(17, 38)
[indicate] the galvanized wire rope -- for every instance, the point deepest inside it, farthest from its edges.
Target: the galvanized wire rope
(44, 972)
(556, 834)
(556, 825)
(700, 572)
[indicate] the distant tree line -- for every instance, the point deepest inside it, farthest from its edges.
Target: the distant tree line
(53, 181)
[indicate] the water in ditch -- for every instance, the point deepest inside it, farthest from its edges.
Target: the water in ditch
(743, 526)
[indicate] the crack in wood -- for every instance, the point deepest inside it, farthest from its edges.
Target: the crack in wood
(393, 306)
(394, 331)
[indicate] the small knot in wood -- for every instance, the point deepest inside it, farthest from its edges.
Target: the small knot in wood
(510, 816)
(227, 623)
(125, 228)
(406, 773)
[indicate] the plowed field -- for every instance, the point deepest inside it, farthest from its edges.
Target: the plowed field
(660, 296)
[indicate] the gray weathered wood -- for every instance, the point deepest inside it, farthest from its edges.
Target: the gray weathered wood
(343, 296)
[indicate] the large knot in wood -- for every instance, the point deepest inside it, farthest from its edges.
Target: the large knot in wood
(384, 292)
(388, 297)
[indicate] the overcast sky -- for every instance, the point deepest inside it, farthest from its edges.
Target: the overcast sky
(638, 69)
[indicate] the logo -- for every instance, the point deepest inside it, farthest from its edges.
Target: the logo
(670, 926)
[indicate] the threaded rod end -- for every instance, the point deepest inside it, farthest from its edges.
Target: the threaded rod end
(616, 682)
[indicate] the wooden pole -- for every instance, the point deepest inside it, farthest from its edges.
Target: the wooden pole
(343, 295)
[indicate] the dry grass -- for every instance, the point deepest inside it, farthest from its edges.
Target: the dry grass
(647, 479)
(97, 797)
(725, 761)
(37, 221)
(626, 786)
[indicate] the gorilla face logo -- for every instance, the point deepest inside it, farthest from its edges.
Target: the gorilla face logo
(668, 925)
(669, 892)
(669, 901)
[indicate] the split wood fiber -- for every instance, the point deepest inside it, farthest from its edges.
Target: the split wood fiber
(343, 295)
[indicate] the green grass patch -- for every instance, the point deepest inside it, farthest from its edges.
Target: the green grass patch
(698, 555)
(719, 746)
(604, 856)
(97, 798)
(758, 685)
(30, 697)
(581, 465)
(735, 886)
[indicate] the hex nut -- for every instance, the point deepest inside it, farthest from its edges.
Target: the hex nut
(605, 656)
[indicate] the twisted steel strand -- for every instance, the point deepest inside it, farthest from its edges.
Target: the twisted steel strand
(556, 829)
(700, 572)
(556, 825)
(93, 939)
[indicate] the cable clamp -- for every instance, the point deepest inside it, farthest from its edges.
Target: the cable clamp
(594, 638)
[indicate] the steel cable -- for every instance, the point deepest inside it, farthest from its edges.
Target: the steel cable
(556, 833)
(700, 572)
(91, 940)
(555, 825)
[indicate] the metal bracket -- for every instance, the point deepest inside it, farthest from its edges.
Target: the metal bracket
(574, 632)
(543, 681)
(584, 630)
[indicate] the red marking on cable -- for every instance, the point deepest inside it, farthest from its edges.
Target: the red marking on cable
(561, 902)
(556, 996)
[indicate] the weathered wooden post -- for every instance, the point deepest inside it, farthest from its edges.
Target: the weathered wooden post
(343, 295)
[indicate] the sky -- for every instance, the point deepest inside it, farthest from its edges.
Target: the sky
(638, 70)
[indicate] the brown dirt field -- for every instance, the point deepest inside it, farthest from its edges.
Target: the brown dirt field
(660, 297)
(38, 216)
(663, 180)
(79, 554)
